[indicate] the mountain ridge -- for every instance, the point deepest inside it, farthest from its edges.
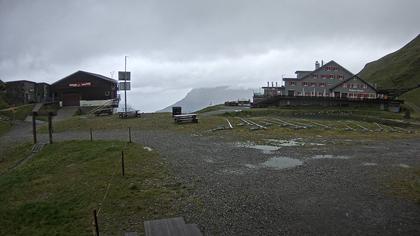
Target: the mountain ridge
(199, 98)
(397, 70)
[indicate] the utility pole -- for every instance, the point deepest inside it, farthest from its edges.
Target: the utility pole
(125, 89)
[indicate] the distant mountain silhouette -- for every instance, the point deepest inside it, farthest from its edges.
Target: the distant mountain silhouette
(200, 98)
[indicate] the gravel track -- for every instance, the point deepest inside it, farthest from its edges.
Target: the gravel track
(321, 197)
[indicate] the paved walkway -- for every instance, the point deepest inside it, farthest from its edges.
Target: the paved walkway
(65, 113)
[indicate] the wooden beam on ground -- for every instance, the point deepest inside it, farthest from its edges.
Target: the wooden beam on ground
(348, 128)
(256, 124)
(170, 227)
(380, 127)
(319, 124)
(360, 126)
(229, 124)
(290, 124)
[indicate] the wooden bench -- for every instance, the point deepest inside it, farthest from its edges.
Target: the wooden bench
(186, 118)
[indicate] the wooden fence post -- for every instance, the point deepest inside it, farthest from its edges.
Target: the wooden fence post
(95, 218)
(50, 127)
(122, 163)
(91, 135)
(34, 126)
(129, 134)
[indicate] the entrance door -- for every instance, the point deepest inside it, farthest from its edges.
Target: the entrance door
(71, 99)
(291, 93)
(337, 94)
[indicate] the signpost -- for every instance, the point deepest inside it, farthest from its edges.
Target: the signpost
(124, 85)
(125, 76)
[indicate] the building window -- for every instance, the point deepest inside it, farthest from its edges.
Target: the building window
(321, 84)
(315, 76)
(292, 83)
(305, 83)
(313, 84)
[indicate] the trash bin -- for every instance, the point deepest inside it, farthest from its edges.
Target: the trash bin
(176, 111)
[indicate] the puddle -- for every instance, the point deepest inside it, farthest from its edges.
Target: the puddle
(285, 143)
(330, 157)
(266, 149)
(369, 164)
(403, 165)
(232, 172)
(250, 166)
(148, 149)
(317, 144)
(281, 163)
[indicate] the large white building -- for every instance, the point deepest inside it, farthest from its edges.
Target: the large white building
(329, 80)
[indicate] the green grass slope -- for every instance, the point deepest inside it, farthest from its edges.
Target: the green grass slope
(56, 191)
(397, 70)
(412, 99)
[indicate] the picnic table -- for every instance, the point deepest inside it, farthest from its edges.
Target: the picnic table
(129, 114)
(186, 118)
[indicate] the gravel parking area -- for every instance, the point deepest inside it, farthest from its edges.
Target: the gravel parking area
(332, 190)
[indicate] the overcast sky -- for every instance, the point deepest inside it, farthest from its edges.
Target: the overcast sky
(176, 45)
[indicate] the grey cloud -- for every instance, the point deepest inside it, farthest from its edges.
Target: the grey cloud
(188, 43)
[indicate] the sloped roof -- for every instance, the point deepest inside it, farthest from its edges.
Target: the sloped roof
(20, 81)
(354, 76)
(320, 68)
(89, 73)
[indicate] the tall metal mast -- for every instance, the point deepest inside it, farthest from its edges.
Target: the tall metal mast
(125, 82)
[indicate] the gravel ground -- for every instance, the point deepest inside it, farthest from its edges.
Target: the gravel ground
(240, 196)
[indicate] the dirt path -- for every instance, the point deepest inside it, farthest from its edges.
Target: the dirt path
(241, 196)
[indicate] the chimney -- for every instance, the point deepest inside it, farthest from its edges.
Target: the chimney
(276, 84)
(268, 84)
(272, 84)
(322, 62)
(316, 65)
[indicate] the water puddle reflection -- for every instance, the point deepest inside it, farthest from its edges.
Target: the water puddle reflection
(327, 156)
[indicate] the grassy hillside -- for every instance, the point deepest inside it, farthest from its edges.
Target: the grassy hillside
(412, 99)
(400, 69)
(56, 191)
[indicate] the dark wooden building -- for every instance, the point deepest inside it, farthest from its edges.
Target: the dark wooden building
(23, 92)
(42, 92)
(20, 92)
(84, 89)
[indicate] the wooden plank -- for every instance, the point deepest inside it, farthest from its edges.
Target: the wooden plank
(229, 124)
(165, 227)
(130, 234)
